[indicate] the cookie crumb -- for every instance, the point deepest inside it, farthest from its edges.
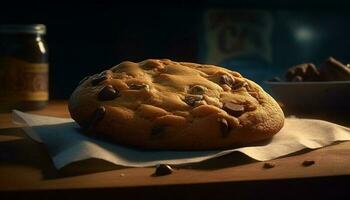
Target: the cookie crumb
(268, 165)
(163, 169)
(122, 175)
(307, 163)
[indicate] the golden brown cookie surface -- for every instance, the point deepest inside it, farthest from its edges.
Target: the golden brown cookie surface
(161, 104)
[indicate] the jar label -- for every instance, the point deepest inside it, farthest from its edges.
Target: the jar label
(23, 81)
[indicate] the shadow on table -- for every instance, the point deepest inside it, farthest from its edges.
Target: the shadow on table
(94, 165)
(16, 149)
(19, 149)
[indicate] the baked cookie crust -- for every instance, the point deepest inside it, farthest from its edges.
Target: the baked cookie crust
(162, 104)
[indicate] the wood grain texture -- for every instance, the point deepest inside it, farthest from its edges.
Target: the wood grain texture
(26, 166)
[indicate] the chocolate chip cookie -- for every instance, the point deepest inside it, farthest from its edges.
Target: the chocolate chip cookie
(162, 104)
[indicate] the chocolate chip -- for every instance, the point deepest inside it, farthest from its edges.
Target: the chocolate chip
(226, 79)
(297, 79)
(305, 70)
(289, 74)
(307, 163)
(198, 89)
(138, 86)
(99, 113)
(98, 79)
(332, 62)
(83, 80)
(334, 70)
(157, 131)
(300, 70)
(95, 117)
(268, 165)
(239, 85)
(108, 93)
(233, 109)
(162, 170)
(192, 99)
(224, 127)
(311, 73)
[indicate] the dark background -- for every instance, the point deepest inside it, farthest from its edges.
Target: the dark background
(85, 37)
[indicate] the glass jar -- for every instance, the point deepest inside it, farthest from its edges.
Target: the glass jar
(23, 67)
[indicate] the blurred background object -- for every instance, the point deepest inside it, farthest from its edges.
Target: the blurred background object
(23, 67)
(260, 39)
(239, 40)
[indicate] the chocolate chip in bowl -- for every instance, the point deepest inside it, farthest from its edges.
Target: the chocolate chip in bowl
(334, 70)
(313, 89)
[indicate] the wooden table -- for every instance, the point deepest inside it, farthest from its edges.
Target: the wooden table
(26, 171)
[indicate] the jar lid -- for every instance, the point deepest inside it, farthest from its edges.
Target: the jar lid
(23, 28)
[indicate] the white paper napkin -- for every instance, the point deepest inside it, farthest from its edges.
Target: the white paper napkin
(66, 144)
